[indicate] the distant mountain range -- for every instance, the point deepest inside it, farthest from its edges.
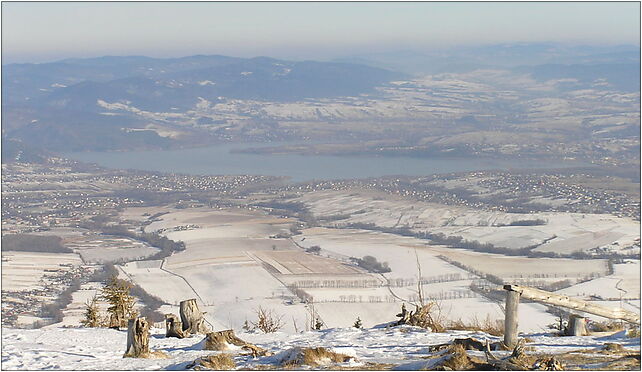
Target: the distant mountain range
(65, 105)
(160, 84)
(461, 59)
(55, 105)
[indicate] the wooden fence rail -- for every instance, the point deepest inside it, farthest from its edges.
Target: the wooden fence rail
(514, 292)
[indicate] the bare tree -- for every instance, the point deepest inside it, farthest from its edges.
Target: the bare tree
(267, 321)
(420, 287)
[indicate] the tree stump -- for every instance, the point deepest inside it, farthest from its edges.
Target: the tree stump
(192, 318)
(404, 315)
(137, 338)
(576, 326)
(173, 326)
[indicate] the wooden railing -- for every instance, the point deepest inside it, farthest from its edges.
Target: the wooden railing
(514, 292)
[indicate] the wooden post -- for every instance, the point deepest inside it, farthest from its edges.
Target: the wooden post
(511, 320)
(192, 318)
(137, 338)
(173, 326)
(577, 326)
(574, 304)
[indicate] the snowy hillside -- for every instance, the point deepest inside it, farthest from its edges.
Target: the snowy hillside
(399, 348)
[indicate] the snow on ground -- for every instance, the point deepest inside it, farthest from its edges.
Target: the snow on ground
(624, 283)
(372, 304)
(101, 248)
(74, 313)
(524, 267)
(25, 270)
(103, 349)
(532, 317)
(233, 264)
(398, 252)
(219, 267)
(165, 285)
(571, 231)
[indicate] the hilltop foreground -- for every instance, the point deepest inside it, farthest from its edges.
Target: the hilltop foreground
(399, 348)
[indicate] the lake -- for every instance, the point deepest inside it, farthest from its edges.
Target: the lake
(218, 160)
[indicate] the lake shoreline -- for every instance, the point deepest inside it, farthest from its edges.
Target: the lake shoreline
(231, 159)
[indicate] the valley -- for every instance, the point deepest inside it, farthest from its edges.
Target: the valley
(296, 248)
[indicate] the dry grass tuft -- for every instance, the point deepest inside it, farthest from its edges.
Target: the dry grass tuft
(612, 348)
(456, 359)
(489, 326)
(610, 326)
(426, 316)
(314, 357)
(213, 362)
(459, 359)
(548, 364)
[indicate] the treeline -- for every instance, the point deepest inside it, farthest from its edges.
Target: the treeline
(442, 239)
(54, 310)
(314, 249)
(371, 264)
(535, 222)
(460, 242)
(151, 303)
(166, 246)
(290, 209)
(33, 243)
(489, 277)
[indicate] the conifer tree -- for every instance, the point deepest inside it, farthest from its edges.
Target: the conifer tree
(357, 323)
(92, 314)
(318, 324)
(121, 308)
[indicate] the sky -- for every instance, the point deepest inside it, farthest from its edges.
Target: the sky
(47, 31)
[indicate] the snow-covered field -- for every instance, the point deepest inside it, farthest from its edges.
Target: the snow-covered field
(220, 266)
(25, 270)
(233, 264)
(402, 347)
(623, 283)
(74, 313)
(517, 267)
(562, 233)
(101, 248)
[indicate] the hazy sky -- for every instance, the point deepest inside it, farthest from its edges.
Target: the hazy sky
(44, 31)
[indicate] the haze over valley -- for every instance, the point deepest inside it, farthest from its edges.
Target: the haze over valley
(374, 207)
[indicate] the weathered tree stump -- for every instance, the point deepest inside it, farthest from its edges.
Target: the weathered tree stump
(173, 326)
(137, 338)
(517, 361)
(404, 315)
(576, 326)
(192, 318)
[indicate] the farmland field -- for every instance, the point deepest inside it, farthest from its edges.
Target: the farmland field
(23, 270)
(234, 263)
